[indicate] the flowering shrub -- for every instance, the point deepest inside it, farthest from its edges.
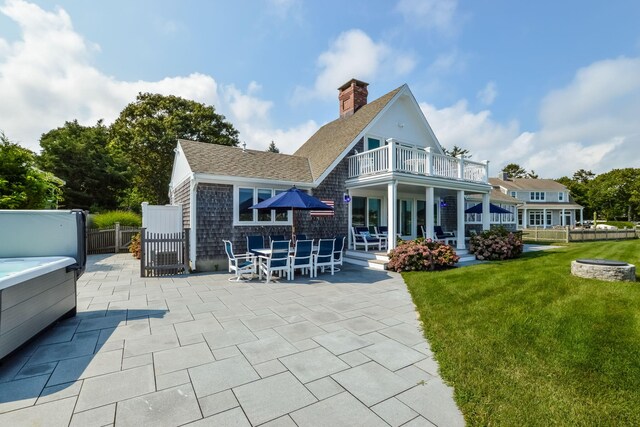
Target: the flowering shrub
(496, 244)
(134, 247)
(421, 255)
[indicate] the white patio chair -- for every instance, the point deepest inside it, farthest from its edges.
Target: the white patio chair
(324, 257)
(362, 237)
(302, 257)
(277, 261)
(239, 264)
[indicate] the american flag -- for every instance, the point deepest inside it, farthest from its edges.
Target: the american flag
(324, 213)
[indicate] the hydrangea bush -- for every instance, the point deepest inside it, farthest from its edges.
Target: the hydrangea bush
(496, 244)
(422, 255)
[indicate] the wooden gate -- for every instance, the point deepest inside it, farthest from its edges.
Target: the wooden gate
(110, 240)
(163, 254)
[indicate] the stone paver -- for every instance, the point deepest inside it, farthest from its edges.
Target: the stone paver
(171, 407)
(342, 341)
(340, 410)
(199, 350)
(392, 355)
(182, 357)
(272, 397)
(313, 364)
(371, 383)
(222, 375)
(434, 401)
(110, 388)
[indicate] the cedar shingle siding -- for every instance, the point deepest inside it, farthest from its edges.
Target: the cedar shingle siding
(182, 195)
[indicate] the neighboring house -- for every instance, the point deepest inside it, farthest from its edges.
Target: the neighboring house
(498, 198)
(543, 202)
(383, 154)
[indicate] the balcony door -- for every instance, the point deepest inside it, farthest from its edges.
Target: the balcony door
(404, 220)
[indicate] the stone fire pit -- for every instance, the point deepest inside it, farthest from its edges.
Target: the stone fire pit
(604, 269)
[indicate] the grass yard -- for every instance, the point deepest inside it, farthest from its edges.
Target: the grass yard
(525, 343)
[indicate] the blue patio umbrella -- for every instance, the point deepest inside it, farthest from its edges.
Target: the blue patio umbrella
(494, 209)
(293, 199)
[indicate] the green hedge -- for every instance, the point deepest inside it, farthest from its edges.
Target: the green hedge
(108, 219)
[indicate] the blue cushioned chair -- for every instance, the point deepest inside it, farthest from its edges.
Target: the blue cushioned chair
(239, 264)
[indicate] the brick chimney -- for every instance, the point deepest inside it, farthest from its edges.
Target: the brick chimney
(353, 95)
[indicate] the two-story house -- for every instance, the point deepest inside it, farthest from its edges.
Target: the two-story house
(543, 202)
(379, 163)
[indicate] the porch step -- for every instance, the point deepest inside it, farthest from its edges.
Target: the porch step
(375, 260)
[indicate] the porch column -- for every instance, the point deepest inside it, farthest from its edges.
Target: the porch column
(581, 218)
(349, 224)
(544, 217)
(486, 212)
(525, 220)
(391, 215)
(429, 223)
(562, 221)
(460, 211)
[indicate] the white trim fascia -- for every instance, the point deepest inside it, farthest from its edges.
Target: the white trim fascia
(424, 181)
(424, 119)
(235, 218)
(235, 180)
(173, 166)
(193, 218)
(358, 137)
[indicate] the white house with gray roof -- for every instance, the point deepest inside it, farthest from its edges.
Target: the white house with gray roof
(543, 203)
(383, 154)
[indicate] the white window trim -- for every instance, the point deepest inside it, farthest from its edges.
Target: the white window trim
(236, 211)
(383, 141)
(537, 196)
(561, 196)
(514, 194)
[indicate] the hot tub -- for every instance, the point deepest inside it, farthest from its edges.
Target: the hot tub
(37, 290)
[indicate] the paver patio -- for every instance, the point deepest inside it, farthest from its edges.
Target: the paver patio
(338, 350)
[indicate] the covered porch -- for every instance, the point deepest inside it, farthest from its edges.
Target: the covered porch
(407, 205)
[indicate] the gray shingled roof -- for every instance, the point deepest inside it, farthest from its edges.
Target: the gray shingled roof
(527, 184)
(231, 161)
(496, 196)
(332, 139)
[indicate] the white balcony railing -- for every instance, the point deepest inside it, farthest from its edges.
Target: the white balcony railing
(417, 161)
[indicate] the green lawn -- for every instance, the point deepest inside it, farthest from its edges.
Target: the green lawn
(525, 343)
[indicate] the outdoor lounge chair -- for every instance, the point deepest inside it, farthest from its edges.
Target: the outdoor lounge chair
(301, 237)
(302, 257)
(277, 261)
(362, 237)
(383, 229)
(324, 257)
(239, 264)
(447, 237)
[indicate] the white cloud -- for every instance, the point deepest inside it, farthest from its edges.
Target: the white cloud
(591, 123)
(438, 15)
(46, 78)
(477, 132)
(354, 55)
(488, 94)
(447, 63)
(286, 9)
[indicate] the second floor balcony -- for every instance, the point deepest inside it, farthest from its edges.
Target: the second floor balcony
(418, 161)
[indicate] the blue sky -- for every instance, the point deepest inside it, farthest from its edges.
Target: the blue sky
(554, 86)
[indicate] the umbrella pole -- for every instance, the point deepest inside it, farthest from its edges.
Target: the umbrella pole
(293, 224)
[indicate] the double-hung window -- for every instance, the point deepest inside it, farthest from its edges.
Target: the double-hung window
(245, 197)
(561, 197)
(537, 196)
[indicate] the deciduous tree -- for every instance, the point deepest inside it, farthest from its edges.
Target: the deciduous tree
(79, 155)
(22, 184)
(146, 133)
